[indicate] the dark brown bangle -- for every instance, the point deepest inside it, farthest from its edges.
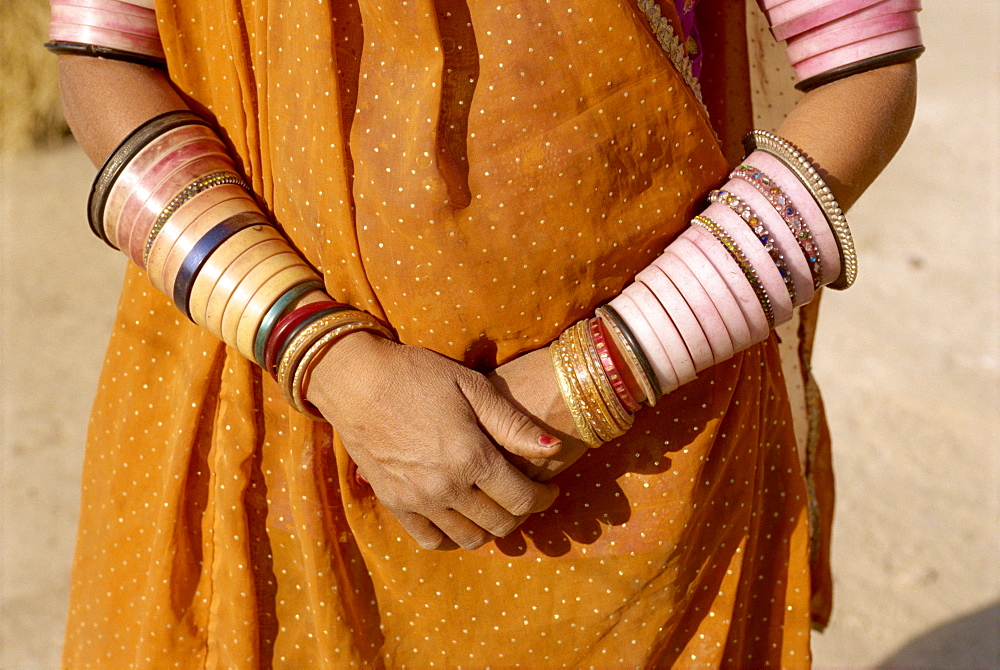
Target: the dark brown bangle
(866, 65)
(120, 157)
(95, 51)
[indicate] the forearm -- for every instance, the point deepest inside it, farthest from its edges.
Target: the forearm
(853, 127)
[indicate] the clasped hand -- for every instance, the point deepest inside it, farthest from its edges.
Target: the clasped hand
(438, 442)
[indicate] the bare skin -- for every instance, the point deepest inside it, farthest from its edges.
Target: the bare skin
(423, 429)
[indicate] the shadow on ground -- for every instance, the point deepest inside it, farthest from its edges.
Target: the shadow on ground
(971, 641)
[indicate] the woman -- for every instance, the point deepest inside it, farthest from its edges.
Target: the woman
(480, 177)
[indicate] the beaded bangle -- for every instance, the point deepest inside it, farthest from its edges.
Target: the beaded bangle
(286, 329)
(635, 359)
(786, 209)
(312, 340)
(743, 210)
(745, 266)
(600, 340)
(198, 186)
(203, 249)
(120, 157)
(276, 312)
(560, 364)
(803, 168)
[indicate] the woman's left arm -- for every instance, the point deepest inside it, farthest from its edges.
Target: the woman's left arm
(850, 128)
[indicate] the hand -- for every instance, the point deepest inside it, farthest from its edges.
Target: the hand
(529, 382)
(414, 423)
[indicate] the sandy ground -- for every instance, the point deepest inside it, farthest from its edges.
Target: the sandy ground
(909, 360)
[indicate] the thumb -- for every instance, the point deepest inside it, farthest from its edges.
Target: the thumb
(507, 425)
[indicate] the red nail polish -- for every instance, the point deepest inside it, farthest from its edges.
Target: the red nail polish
(547, 440)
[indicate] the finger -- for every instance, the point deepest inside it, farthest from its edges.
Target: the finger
(461, 529)
(427, 535)
(506, 424)
(513, 490)
(486, 513)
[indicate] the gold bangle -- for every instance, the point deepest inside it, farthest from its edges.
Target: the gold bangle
(219, 262)
(621, 416)
(569, 397)
(594, 407)
(796, 161)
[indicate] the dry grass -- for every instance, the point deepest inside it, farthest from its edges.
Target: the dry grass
(30, 112)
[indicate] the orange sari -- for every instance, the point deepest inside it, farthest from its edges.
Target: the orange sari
(480, 175)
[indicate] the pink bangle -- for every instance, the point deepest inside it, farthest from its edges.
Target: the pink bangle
(810, 211)
(797, 16)
(701, 267)
(637, 323)
(665, 330)
(681, 314)
(852, 53)
(843, 32)
(732, 275)
(705, 311)
(150, 155)
(106, 23)
(793, 238)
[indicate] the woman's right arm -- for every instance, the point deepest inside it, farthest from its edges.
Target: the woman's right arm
(412, 420)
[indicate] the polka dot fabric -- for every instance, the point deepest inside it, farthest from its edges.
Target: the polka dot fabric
(482, 175)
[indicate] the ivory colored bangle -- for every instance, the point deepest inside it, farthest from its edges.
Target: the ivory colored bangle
(701, 267)
(559, 364)
(145, 203)
(797, 16)
(108, 24)
(233, 275)
(200, 252)
(276, 312)
(663, 371)
(760, 231)
(635, 360)
(807, 174)
(749, 245)
(681, 315)
(847, 31)
(701, 304)
(853, 53)
(732, 274)
(122, 155)
(665, 330)
(245, 290)
(261, 302)
(186, 238)
(757, 188)
(225, 201)
(600, 341)
(809, 210)
(148, 156)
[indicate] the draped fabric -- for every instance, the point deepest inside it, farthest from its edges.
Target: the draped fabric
(480, 175)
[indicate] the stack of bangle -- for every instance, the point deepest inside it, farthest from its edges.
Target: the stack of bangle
(111, 29)
(595, 401)
(763, 246)
(170, 198)
(828, 41)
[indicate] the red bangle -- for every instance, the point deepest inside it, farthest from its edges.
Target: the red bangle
(610, 369)
(287, 326)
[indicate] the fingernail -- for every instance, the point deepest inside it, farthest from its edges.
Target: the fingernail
(548, 441)
(359, 478)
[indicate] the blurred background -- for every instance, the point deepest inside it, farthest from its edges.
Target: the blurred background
(908, 359)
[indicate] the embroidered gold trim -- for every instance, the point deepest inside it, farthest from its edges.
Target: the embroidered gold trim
(672, 44)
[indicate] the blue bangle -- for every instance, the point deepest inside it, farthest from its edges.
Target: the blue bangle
(276, 311)
(203, 249)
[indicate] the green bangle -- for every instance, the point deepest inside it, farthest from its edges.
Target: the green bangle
(276, 311)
